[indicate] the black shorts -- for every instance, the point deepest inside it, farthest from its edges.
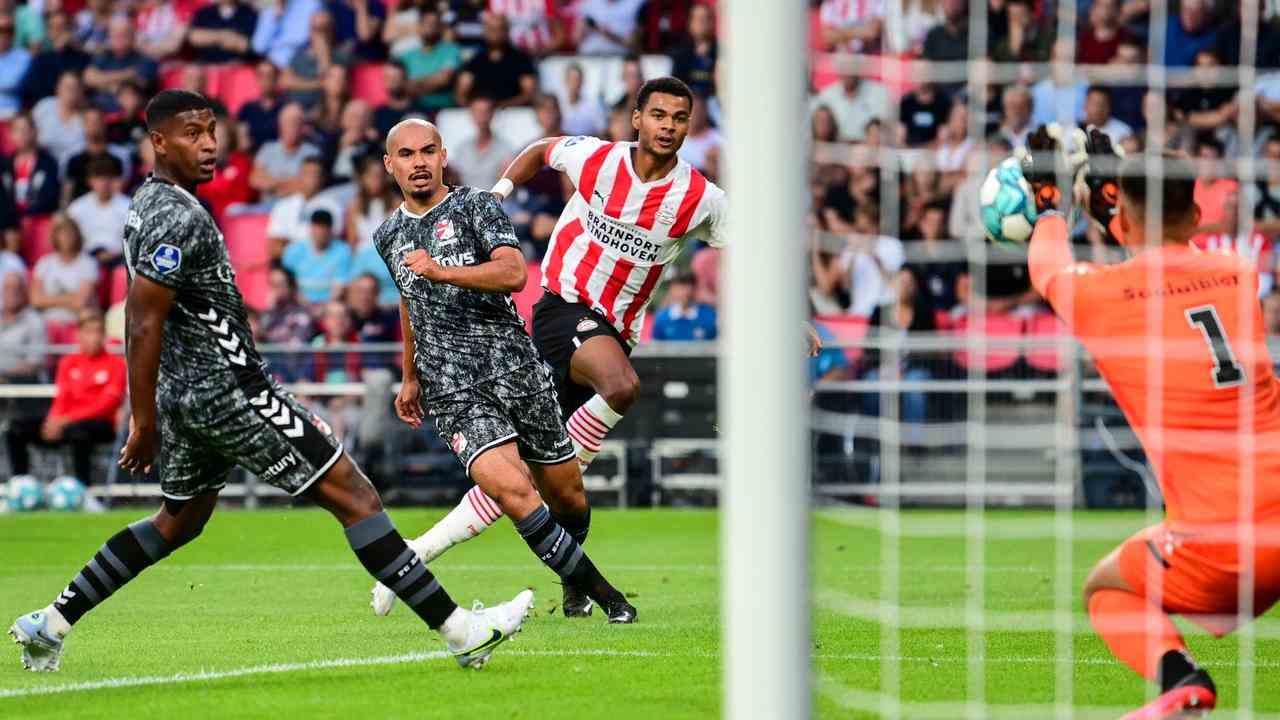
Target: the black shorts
(257, 425)
(559, 329)
(519, 407)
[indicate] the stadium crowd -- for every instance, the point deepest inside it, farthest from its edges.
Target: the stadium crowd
(308, 88)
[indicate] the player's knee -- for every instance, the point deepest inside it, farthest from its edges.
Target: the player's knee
(621, 390)
(571, 500)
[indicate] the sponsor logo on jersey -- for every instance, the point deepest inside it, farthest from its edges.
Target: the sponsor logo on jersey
(666, 215)
(166, 258)
(624, 238)
(459, 443)
(586, 324)
(279, 466)
(458, 260)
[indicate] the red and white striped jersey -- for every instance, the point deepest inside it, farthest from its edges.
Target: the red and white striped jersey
(530, 22)
(848, 14)
(1255, 246)
(617, 233)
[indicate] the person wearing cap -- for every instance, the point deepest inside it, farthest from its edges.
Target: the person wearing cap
(320, 264)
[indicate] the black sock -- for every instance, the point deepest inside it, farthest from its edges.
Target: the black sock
(556, 548)
(576, 525)
(390, 561)
(1175, 666)
(126, 554)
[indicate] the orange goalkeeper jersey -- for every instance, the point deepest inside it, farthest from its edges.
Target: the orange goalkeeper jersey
(1177, 333)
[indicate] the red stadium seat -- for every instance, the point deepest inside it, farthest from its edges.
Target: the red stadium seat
(368, 85)
(171, 76)
(246, 237)
(119, 286)
(36, 237)
(6, 140)
(253, 286)
(999, 357)
(1045, 326)
(236, 85)
(528, 297)
(848, 329)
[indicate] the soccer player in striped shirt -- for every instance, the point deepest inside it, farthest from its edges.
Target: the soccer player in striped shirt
(634, 206)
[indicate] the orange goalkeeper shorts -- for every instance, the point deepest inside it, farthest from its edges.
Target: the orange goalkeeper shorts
(1197, 575)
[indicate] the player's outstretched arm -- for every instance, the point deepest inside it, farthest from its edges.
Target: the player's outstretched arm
(146, 308)
(505, 272)
(524, 167)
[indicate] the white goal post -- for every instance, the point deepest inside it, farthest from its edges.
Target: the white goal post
(765, 466)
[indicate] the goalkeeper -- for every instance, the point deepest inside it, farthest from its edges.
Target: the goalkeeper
(1178, 335)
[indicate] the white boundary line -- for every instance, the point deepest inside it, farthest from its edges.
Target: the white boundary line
(826, 685)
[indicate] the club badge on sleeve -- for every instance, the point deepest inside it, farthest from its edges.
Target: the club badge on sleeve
(166, 258)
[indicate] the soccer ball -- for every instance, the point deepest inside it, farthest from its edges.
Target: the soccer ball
(65, 493)
(24, 493)
(1008, 206)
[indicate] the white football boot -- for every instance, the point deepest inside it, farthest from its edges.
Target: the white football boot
(487, 628)
(41, 649)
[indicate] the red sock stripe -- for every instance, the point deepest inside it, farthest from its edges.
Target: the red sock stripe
(583, 439)
(592, 422)
(488, 501)
(589, 428)
(480, 512)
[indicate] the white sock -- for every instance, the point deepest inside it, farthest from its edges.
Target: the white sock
(472, 516)
(455, 627)
(588, 426)
(57, 624)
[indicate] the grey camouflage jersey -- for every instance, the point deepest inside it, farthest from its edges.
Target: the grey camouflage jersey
(462, 337)
(207, 344)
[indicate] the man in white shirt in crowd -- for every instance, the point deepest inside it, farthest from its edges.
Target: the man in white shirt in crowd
(290, 218)
(870, 262)
(101, 213)
(480, 159)
(583, 113)
(607, 27)
(702, 139)
(278, 163)
(1097, 113)
(854, 101)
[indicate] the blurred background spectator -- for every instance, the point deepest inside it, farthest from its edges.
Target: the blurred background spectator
(101, 213)
(22, 334)
(431, 64)
(14, 62)
(291, 216)
(480, 159)
(695, 61)
(64, 282)
(222, 32)
(581, 112)
(500, 71)
(29, 174)
(682, 317)
(608, 27)
(277, 168)
(286, 323)
(319, 263)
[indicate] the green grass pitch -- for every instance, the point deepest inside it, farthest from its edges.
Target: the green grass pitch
(269, 611)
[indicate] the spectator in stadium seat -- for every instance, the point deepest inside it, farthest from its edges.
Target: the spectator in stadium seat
(1027, 40)
(358, 23)
(935, 266)
(963, 221)
(159, 30)
(854, 101)
(336, 328)
(694, 62)
(1060, 96)
(375, 321)
(14, 61)
(907, 314)
(499, 71)
(30, 173)
(1212, 189)
(291, 215)
(535, 25)
(922, 112)
(303, 75)
(1255, 246)
(851, 27)
(921, 187)
(222, 32)
(75, 178)
(120, 61)
(954, 147)
(906, 29)
(823, 126)
(1271, 314)
(632, 79)
(480, 159)
(682, 317)
(64, 282)
(607, 27)
(356, 137)
(949, 41)
(620, 128)
(56, 55)
(285, 322)
(665, 24)
(1101, 36)
(1016, 124)
(230, 183)
(91, 25)
(465, 20)
(400, 31)
(869, 261)
(374, 200)
(320, 264)
(1206, 106)
(262, 116)
(398, 104)
(702, 140)
(831, 363)
(705, 267)
(433, 65)
(90, 386)
(582, 114)
(277, 166)
(1173, 135)
(283, 28)
(22, 333)
(127, 126)
(102, 213)
(1097, 113)
(1126, 100)
(1264, 195)
(1192, 29)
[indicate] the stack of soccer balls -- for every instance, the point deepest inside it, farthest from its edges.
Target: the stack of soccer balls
(1007, 204)
(24, 493)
